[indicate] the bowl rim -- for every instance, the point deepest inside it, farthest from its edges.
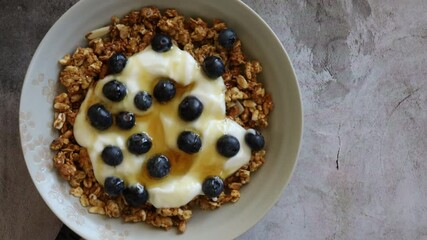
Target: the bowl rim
(299, 108)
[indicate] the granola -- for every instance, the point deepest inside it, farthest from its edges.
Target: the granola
(247, 103)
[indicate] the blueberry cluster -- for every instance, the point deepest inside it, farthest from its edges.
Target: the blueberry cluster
(190, 109)
(138, 143)
(135, 195)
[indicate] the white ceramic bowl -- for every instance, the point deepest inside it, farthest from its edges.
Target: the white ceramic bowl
(283, 135)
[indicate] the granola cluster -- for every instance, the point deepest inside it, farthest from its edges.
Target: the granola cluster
(247, 103)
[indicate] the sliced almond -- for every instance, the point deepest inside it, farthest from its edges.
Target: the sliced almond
(98, 33)
(240, 107)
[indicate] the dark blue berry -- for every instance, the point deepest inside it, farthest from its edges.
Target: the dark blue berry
(164, 91)
(228, 146)
(213, 186)
(143, 101)
(135, 195)
(190, 108)
(116, 63)
(213, 67)
(114, 90)
(139, 143)
(158, 166)
(161, 43)
(125, 120)
(227, 38)
(255, 141)
(112, 155)
(189, 142)
(114, 186)
(99, 117)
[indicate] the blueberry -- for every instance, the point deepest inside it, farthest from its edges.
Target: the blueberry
(112, 155)
(99, 117)
(190, 108)
(189, 142)
(213, 67)
(213, 186)
(228, 146)
(135, 195)
(161, 43)
(158, 166)
(116, 63)
(227, 38)
(255, 141)
(139, 143)
(164, 91)
(114, 186)
(143, 101)
(114, 90)
(125, 120)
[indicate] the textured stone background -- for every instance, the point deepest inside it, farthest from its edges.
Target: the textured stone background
(23, 23)
(361, 65)
(362, 171)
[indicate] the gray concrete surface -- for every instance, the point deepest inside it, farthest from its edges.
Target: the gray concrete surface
(362, 70)
(361, 65)
(23, 214)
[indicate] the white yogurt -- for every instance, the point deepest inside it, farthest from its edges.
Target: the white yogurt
(163, 124)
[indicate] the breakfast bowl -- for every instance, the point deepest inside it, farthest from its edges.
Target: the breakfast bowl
(282, 136)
